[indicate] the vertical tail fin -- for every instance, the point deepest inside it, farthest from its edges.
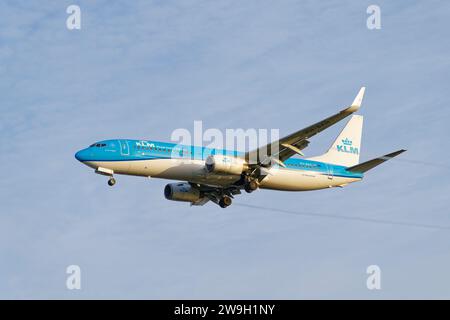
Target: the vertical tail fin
(346, 149)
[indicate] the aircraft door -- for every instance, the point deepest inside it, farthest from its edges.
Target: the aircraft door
(124, 148)
(329, 172)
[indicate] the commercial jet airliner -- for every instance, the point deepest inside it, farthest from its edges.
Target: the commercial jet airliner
(209, 174)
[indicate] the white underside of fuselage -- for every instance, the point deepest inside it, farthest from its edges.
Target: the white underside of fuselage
(194, 171)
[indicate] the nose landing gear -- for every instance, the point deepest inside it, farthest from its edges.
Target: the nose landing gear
(107, 172)
(111, 181)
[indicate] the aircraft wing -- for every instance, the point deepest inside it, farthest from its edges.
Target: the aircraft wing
(292, 144)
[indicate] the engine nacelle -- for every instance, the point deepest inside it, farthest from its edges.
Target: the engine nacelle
(225, 164)
(181, 191)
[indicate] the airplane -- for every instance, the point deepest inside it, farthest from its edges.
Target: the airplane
(208, 174)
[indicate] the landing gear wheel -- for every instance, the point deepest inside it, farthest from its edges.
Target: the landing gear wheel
(225, 202)
(251, 186)
(111, 181)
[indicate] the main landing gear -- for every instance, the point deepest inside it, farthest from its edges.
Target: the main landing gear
(250, 186)
(111, 181)
(225, 201)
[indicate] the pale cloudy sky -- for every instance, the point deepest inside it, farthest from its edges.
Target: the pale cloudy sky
(141, 69)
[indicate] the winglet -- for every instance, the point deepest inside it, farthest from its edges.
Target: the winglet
(357, 102)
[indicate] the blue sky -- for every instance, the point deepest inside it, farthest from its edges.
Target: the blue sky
(144, 68)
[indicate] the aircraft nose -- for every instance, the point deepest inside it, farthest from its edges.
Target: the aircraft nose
(81, 155)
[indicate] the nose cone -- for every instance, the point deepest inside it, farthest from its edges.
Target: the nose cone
(81, 155)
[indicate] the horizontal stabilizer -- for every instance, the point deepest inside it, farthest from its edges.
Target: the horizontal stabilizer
(366, 166)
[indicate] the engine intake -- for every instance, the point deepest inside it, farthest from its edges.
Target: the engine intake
(181, 191)
(225, 164)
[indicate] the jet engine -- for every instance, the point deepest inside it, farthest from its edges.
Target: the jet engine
(181, 191)
(225, 164)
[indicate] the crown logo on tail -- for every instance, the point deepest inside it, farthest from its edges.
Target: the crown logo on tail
(347, 142)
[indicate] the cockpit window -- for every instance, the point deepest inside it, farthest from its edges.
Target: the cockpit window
(97, 145)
